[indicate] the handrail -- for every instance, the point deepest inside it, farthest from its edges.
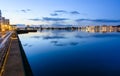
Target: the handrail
(6, 38)
(3, 47)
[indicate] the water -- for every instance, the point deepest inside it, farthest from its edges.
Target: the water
(72, 53)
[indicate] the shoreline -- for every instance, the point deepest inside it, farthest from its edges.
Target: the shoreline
(27, 68)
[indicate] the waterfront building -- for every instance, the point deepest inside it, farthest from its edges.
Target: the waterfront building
(87, 28)
(103, 28)
(3, 24)
(90, 28)
(115, 28)
(7, 25)
(118, 28)
(13, 27)
(79, 28)
(110, 28)
(28, 27)
(97, 28)
(83, 28)
(0, 20)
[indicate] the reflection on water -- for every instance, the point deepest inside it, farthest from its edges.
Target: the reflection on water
(53, 37)
(72, 53)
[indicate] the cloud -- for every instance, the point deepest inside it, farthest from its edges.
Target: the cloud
(54, 14)
(35, 19)
(20, 24)
(60, 11)
(59, 24)
(74, 12)
(105, 20)
(99, 20)
(54, 19)
(79, 20)
(25, 10)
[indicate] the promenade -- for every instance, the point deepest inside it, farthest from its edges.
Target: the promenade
(12, 64)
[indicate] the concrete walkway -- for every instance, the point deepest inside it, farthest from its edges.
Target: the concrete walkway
(13, 65)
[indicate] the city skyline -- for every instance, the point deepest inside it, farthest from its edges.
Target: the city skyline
(61, 12)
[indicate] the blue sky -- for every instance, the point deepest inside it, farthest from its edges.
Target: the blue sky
(61, 12)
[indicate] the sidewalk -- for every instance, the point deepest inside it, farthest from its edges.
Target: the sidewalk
(14, 65)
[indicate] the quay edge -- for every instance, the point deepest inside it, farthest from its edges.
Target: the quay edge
(27, 68)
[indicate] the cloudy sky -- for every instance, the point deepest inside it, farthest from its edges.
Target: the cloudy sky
(61, 12)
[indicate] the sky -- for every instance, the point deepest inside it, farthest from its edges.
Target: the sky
(61, 12)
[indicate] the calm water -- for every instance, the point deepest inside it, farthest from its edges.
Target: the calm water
(72, 53)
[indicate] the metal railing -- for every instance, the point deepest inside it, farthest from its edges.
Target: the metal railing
(4, 46)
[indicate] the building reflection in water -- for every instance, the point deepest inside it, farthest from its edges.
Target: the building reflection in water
(103, 28)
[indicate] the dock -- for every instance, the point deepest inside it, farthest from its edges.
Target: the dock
(25, 31)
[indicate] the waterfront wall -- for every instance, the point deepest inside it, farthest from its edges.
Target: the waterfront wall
(27, 68)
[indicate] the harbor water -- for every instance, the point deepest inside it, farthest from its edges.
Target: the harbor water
(72, 53)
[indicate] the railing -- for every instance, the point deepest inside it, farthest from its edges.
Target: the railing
(4, 46)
